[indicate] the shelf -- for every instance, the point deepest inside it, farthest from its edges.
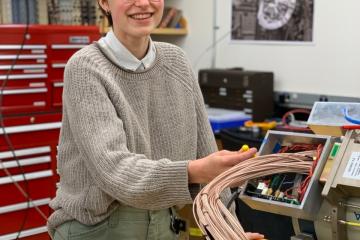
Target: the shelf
(182, 31)
(170, 31)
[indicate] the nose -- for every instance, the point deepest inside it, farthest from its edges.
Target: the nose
(142, 3)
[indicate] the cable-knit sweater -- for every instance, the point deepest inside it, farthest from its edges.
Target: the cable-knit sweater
(127, 137)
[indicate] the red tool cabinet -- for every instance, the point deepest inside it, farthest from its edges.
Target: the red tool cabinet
(31, 108)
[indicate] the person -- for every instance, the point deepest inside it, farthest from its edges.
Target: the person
(135, 140)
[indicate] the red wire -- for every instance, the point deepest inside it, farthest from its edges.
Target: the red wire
(305, 183)
(286, 115)
(303, 147)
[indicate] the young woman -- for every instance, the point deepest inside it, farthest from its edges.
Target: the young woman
(134, 124)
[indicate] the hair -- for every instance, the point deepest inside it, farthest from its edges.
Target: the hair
(106, 14)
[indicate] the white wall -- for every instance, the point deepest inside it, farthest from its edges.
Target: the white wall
(329, 66)
(199, 15)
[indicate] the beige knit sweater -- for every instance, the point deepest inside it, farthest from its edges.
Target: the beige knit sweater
(127, 137)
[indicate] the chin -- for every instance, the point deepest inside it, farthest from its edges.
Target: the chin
(143, 32)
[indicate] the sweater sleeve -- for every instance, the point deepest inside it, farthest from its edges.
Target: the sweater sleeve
(205, 137)
(206, 143)
(99, 134)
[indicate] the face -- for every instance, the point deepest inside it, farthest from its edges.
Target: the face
(134, 18)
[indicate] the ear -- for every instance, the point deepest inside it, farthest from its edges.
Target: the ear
(104, 4)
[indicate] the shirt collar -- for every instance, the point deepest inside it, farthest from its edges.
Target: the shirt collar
(122, 57)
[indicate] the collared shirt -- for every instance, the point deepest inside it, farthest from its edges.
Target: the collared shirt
(122, 57)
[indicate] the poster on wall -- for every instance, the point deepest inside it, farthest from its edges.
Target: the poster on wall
(281, 21)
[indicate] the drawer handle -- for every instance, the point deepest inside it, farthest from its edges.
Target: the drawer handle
(25, 233)
(25, 152)
(25, 162)
(23, 91)
(23, 66)
(24, 47)
(22, 76)
(28, 176)
(58, 84)
(58, 65)
(23, 56)
(24, 205)
(67, 46)
(31, 128)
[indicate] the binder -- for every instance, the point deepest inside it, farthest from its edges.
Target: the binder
(42, 12)
(15, 9)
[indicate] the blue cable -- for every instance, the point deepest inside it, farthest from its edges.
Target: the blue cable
(349, 118)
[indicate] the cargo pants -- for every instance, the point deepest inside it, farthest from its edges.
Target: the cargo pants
(124, 223)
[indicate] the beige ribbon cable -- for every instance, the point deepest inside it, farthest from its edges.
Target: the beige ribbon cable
(211, 215)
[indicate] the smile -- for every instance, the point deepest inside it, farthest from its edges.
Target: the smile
(141, 16)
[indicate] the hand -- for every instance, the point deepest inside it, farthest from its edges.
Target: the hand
(206, 169)
(254, 236)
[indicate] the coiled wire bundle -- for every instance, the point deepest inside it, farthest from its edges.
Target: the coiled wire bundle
(211, 215)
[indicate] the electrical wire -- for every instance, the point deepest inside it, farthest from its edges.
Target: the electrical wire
(213, 45)
(234, 196)
(349, 118)
(211, 215)
(353, 224)
(291, 113)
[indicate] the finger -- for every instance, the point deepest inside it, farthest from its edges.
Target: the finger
(253, 236)
(227, 152)
(233, 159)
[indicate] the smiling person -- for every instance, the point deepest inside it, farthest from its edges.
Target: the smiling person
(135, 140)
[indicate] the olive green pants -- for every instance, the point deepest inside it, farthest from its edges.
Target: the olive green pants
(124, 223)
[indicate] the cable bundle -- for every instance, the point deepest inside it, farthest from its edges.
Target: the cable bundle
(214, 219)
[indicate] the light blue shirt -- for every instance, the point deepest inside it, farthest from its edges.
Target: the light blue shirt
(122, 57)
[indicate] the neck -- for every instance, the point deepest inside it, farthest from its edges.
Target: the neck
(138, 46)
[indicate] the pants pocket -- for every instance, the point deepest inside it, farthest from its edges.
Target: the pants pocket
(131, 230)
(98, 231)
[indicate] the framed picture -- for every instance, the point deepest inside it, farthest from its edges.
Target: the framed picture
(272, 21)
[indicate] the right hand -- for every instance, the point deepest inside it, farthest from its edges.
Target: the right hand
(206, 169)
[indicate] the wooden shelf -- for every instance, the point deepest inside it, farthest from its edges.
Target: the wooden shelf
(170, 31)
(182, 31)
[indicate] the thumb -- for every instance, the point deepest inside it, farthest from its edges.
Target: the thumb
(234, 159)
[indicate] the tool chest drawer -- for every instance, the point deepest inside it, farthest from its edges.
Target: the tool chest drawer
(38, 185)
(13, 216)
(31, 130)
(38, 233)
(24, 100)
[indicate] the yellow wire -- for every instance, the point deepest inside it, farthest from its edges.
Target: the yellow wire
(353, 224)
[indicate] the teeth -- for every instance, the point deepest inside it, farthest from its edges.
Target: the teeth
(141, 16)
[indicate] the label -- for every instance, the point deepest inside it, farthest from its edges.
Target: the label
(37, 84)
(39, 103)
(79, 39)
(353, 167)
(261, 186)
(34, 70)
(37, 51)
(222, 91)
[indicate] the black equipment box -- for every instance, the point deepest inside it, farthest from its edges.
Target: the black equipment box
(248, 91)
